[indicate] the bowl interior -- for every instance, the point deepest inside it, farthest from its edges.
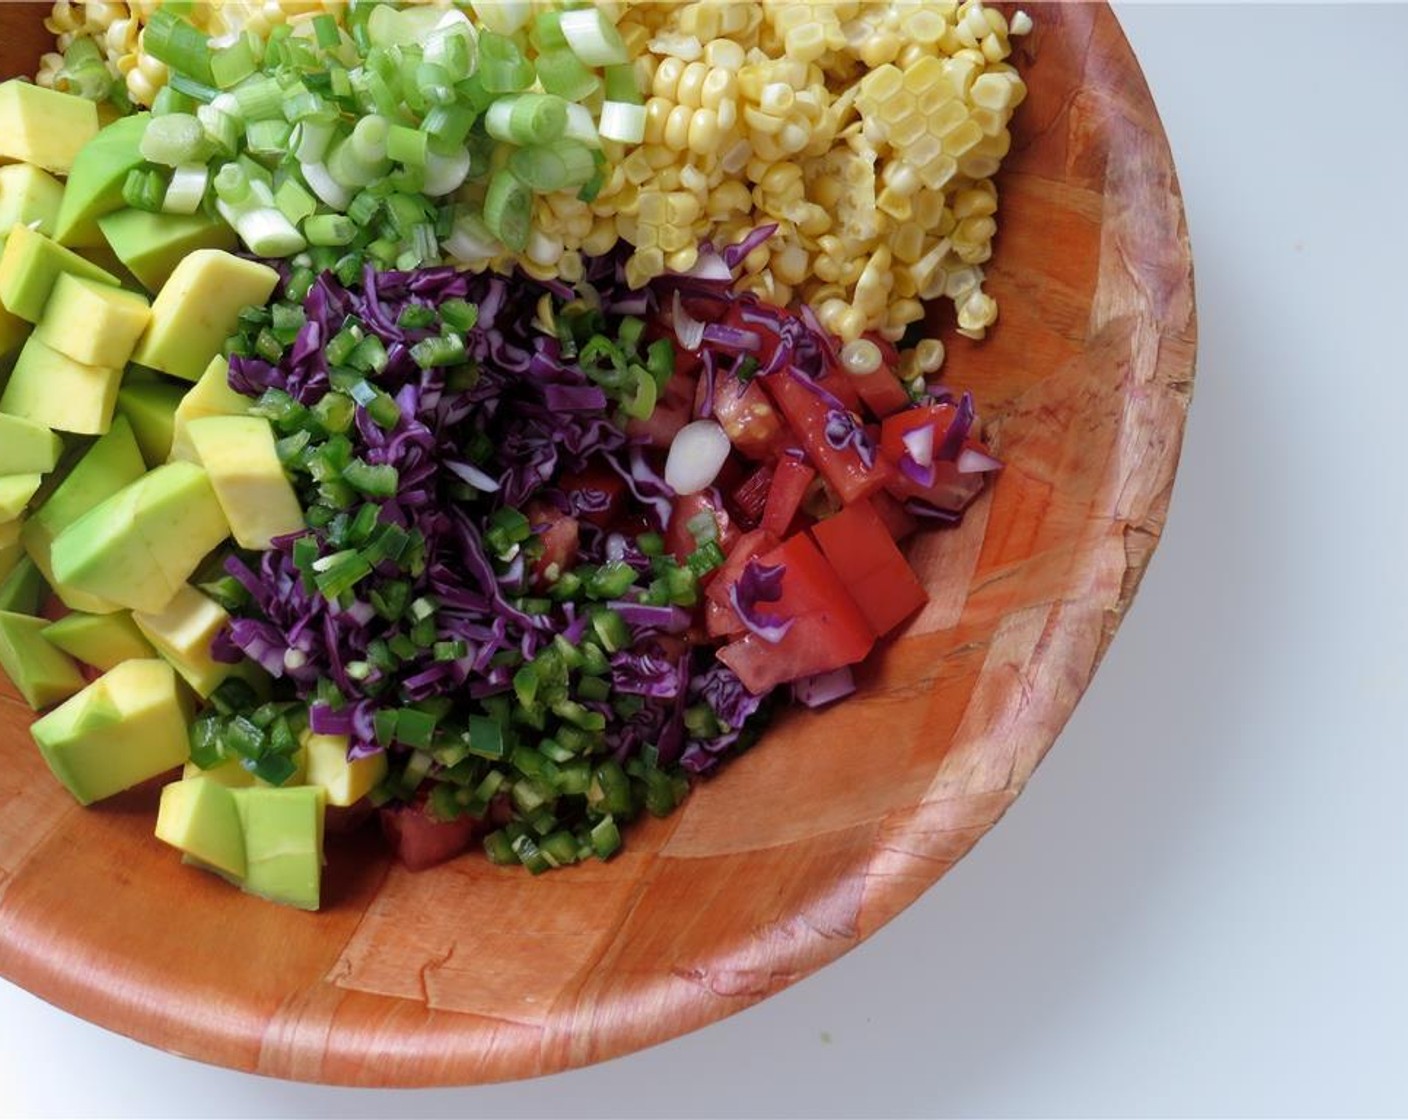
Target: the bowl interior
(794, 852)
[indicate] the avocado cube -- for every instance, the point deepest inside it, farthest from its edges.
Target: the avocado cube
(23, 589)
(26, 446)
(129, 725)
(231, 773)
(94, 185)
(345, 782)
(30, 267)
(15, 492)
(42, 126)
(150, 407)
(257, 497)
(11, 547)
(51, 388)
(105, 468)
(13, 332)
(210, 396)
(198, 816)
(96, 324)
(283, 843)
(182, 634)
(152, 245)
(199, 308)
(139, 547)
(30, 197)
(43, 674)
(103, 641)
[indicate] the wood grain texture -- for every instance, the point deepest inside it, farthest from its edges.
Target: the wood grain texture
(472, 973)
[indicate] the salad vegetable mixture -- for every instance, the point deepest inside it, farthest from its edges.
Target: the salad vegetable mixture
(531, 398)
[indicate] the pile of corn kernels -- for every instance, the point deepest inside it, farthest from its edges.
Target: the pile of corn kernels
(868, 132)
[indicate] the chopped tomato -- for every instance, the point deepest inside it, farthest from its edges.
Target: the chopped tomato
(898, 520)
(750, 497)
(680, 542)
(596, 486)
(420, 841)
(559, 534)
(673, 411)
(880, 391)
(722, 621)
(944, 488)
(748, 546)
(827, 629)
(807, 412)
(747, 415)
(858, 546)
(789, 486)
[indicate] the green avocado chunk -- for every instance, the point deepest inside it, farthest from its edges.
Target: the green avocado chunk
(11, 547)
(150, 407)
(15, 492)
(42, 126)
(152, 245)
(51, 388)
(283, 842)
(182, 634)
(43, 674)
(240, 455)
(30, 197)
(26, 446)
(30, 266)
(93, 323)
(199, 308)
(103, 641)
(111, 463)
(139, 547)
(129, 725)
(198, 816)
(210, 396)
(23, 589)
(94, 186)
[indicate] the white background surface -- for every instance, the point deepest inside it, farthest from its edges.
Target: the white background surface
(1198, 906)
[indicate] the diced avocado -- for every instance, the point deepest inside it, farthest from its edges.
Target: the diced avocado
(182, 634)
(256, 495)
(11, 547)
(26, 446)
(13, 332)
(231, 773)
(283, 843)
(28, 197)
(152, 245)
(345, 782)
(103, 641)
(23, 589)
(198, 816)
(94, 186)
(43, 674)
(51, 388)
(199, 308)
(15, 492)
(138, 548)
(96, 324)
(150, 407)
(30, 266)
(210, 396)
(105, 468)
(129, 725)
(42, 126)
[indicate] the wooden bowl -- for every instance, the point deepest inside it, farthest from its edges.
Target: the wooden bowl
(796, 851)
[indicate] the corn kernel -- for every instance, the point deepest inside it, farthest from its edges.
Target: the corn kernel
(975, 231)
(724, 54)
(898, 206)
(806, 42)
(667, 77)
(716, 86)
(850, 324)
(764, 124)
(690, 87)
(727, 111)
(929, 355)
(657, 109)
(790, 264)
